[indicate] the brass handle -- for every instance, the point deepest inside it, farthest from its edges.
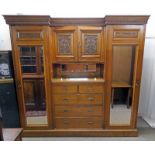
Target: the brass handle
(90, 98)
(66, 99)
(66, 122)
(91, 110)
(90, 123)
(66, 110)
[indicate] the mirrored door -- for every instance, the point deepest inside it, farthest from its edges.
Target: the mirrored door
(123, 69)
(32, 70)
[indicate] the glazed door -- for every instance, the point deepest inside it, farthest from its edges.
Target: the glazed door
(90, 44)
(32, 84)
(64, 43)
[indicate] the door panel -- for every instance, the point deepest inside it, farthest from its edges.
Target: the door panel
(65, 43)
(90, 43)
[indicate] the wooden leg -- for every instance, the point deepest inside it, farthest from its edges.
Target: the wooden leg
(112, 98)
(128, 99)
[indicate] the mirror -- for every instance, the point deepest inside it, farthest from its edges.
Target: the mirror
(32, 68)
(123, 63)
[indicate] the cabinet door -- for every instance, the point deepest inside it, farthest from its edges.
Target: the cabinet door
(123, 65)
(90, 44)
(64, 43)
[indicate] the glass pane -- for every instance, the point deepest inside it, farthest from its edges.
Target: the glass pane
(123, 60)
(31, 59)
(35, 106)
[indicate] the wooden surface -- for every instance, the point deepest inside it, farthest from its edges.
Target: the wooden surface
(12, 134)
(78, 80)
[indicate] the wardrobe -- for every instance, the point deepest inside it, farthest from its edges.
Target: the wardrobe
(78, 76)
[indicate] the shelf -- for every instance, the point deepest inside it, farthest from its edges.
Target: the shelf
(121, 85)
(31, 76)
(68, 80)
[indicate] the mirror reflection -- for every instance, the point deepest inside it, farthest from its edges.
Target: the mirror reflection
(32, 68)
(123, 57)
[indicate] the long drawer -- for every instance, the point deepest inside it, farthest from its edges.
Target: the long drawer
(74, 122)
(78, 99)
(78, 111)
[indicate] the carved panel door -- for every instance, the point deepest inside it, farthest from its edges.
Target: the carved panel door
(90, 43)
(64, 43)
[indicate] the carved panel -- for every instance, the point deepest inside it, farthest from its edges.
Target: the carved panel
(64, 44)
(90, 44)
(125, 34)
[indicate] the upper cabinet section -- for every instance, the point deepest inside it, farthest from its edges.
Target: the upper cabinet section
(76, 43)
(90, 43)
(64, 43)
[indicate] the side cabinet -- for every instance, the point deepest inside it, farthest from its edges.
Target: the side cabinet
(124, 66)
(30, 55)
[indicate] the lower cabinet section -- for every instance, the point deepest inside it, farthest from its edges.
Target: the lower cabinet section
(76, 123)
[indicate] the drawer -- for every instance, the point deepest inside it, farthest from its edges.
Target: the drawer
(64, 88)
(86, 122)
(90, 99)
(91, 88)
(78, 111)
(78, 99)
(65, 99)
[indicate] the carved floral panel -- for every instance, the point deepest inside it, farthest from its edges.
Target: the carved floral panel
(64, 44)
(90, 44)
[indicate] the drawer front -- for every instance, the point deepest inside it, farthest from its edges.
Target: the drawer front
(78, 99)
(90, 99)
(64, 99)
(66, 123)
(91, 88)
(64, 88)
(78, 111)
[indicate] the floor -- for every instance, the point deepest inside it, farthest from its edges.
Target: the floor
(146, 133)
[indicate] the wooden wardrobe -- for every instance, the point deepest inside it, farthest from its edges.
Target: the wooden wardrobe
(78, 76)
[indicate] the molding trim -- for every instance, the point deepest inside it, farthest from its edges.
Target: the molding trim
(47, 20)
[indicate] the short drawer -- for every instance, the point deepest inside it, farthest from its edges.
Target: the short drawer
(78, 111)
(91, 88)
(64, 88)
(90, 99)
(64, 99)
(86, 122)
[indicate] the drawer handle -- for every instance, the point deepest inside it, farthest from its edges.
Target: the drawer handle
(66, 110)
(90, 99)
(66, 123)
(66, 99)
(90, 123)
(90, 110)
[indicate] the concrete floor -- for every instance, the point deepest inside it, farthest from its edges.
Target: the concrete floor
(146, 133)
